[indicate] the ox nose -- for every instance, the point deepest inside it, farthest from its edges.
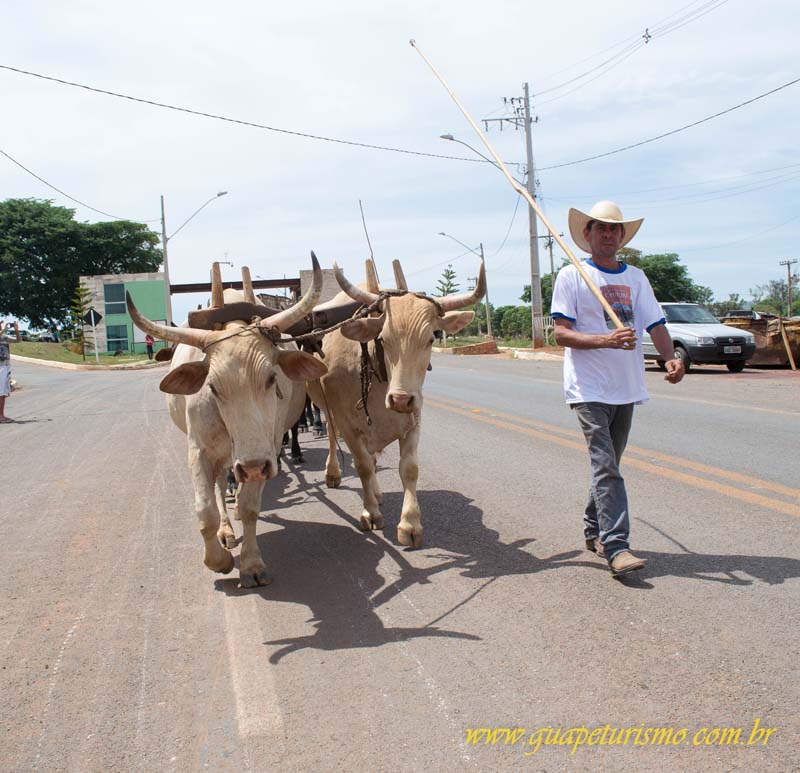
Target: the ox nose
(253, 471)
(402, 402)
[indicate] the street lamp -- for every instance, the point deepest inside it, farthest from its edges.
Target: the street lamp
(536, 280)
(451, 138)
(488, 307)
(165, 240)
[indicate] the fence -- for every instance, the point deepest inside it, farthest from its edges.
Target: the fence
(545, 324)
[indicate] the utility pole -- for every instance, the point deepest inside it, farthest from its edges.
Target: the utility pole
(164, 241)
(788, 264)
(488, 307)
(549, 244)
(522, 116)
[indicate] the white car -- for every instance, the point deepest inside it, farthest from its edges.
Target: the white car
(699, 338)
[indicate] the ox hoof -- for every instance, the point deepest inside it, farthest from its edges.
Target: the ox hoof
(298, 458)
(227, 539)
(224, 565)
(370, 522)
(254, 580)
(333, 481)
(409, 537)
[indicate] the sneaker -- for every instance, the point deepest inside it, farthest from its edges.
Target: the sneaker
(595, 546)
(625, 562)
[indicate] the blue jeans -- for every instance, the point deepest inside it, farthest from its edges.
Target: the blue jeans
(606, 429)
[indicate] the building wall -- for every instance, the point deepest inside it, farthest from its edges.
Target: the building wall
(330, 286)
(147, 292)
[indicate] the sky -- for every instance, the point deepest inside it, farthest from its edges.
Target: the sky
(722, 194)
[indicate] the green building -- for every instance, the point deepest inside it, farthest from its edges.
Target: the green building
(116, 331)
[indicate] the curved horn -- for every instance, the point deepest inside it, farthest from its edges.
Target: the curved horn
(286, 318)
(179, 335)
(217, 298)
(372, 277)
(356, 293)
(399, 277)
(247, 286)
(453, 302)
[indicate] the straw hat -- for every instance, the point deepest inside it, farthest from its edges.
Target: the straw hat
(605, 212)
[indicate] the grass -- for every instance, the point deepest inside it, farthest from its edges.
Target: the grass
(514, 343)
(60, 353)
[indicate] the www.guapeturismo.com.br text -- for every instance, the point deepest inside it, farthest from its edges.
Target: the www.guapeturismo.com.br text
(575, 737)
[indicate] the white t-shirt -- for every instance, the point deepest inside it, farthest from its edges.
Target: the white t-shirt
(612, 376)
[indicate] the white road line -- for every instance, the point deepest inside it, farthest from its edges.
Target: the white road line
(257, 706)
(54, 675)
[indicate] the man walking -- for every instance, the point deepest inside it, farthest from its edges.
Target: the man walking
(604, 366)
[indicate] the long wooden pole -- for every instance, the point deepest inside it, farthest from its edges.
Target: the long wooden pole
(523, 192)
(788, 348)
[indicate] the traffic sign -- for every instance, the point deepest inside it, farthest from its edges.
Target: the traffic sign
(92, 317)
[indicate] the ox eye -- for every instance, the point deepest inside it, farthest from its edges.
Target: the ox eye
(430, 343)
(271, 380)
(213, 390)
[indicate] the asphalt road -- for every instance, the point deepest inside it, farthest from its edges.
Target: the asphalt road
(121, 652)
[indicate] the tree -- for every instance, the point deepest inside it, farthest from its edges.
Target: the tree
(44, 250)
(771, 296)
(447, 284)
(670, 279)
(733, 301)
(547, 294)
(79, 308)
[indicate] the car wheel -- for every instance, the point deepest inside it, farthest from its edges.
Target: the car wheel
(736, 367)
(682, 355)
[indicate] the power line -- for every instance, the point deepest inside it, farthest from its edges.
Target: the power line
(743, 239)
(596, 196)
(674, 131)
(240, 122)
(632, 45)
(72, 198)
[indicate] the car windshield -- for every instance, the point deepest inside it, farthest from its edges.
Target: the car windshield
(688, 314)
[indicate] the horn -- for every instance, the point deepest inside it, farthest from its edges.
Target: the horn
(217, 299)
(372, 277)
(286, 318)
(247, 286)
(399, 278)
(364, 297)
(179, 335)
(453, 302)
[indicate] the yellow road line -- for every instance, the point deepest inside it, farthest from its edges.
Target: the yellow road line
(552, 434)
(716, 404)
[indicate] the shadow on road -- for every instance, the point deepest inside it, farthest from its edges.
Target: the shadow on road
(333, 569)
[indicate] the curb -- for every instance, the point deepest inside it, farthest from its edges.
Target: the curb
(76, 366)
(527, 354)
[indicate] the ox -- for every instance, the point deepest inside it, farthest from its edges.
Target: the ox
(405, 332)
(234, 392)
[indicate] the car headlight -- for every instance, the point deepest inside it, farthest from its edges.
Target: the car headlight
(704, 341)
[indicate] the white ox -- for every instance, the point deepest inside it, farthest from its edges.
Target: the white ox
(406, 329)
(234, 393)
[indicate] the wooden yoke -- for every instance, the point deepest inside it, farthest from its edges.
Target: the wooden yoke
(523, 192)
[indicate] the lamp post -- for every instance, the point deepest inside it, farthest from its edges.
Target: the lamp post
(488, 307)
(536, 279)
(165, 240)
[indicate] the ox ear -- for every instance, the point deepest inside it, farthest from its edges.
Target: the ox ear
(454, 321)
(301, 366)
(363, 330)
(186, 379)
